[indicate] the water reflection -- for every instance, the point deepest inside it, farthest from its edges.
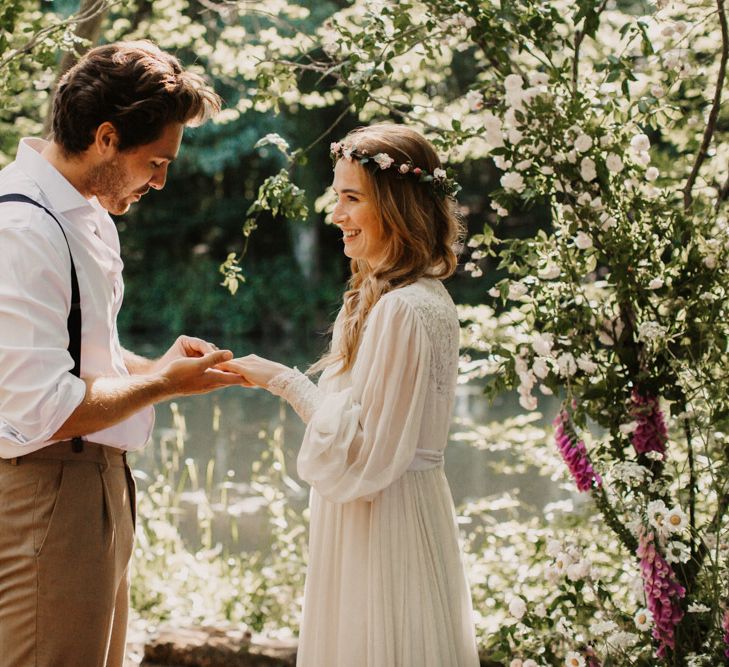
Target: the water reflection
(226, 427)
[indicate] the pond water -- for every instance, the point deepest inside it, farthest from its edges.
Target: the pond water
(226, 427)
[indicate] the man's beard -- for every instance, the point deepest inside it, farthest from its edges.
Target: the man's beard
(110, 183)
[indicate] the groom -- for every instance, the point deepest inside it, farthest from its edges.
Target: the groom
(72, 400)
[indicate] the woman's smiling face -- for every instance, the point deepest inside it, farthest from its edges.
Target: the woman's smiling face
(356, 215)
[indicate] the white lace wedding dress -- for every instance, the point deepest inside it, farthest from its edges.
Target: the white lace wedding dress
(385, 584)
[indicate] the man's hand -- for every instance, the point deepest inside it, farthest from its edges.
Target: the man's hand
(196, 374)
(183, 348)
(109, 400)
(254, 370)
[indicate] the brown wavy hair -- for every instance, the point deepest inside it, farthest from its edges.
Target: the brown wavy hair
(420, 226)
(137, 87)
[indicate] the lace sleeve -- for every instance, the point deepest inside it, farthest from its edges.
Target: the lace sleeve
(301, 393)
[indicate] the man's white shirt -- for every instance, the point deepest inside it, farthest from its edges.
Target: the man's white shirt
(37, 391)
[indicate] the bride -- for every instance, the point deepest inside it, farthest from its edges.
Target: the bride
(385, 584)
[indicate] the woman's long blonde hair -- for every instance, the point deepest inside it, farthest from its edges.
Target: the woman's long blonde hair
(420, 225)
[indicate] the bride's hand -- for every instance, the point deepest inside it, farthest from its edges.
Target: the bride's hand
(255, 370)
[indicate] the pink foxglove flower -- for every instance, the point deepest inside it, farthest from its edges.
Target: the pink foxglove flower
(574, 453)
(650, 434)
(662, 592)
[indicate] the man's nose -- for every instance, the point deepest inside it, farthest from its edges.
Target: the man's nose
(159, 178)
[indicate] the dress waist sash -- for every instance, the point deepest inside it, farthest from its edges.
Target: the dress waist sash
(426, 459)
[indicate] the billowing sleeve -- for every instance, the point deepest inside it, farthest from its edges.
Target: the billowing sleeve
(361, 439)
(37, 391)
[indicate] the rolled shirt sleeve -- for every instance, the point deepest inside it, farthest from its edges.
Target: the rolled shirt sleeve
(359, 440)
(37, 391)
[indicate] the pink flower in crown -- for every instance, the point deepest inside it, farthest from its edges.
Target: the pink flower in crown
(383, 160)
(417, 171)
(662, 592)
(574, 453)
(439, 174)
(335, 147)
(404, 168)
(650, 434)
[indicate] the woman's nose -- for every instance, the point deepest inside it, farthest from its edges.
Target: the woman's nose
(337, 215)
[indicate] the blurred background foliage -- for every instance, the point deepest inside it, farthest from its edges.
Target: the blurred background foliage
(174, 242)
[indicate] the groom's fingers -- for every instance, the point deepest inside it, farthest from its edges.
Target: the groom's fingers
(213, 359)
(196, 347)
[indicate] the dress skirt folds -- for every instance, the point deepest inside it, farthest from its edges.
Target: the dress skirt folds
(385, 583)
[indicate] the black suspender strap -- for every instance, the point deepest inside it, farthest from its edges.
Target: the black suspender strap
(74, 314)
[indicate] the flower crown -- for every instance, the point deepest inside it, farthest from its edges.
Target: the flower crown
(439, 180)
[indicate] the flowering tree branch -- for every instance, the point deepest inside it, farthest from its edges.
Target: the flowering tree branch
(716, 106)
(90, 12)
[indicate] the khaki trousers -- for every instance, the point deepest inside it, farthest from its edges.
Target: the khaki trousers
(66, 537)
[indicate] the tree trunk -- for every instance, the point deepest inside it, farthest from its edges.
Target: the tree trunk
(90, 29)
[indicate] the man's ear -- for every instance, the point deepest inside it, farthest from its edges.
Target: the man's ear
(106, 139)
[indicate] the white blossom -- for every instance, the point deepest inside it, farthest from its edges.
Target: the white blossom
(566, 364)
(383, 160)
(546, 170)
(538, 79)
(649, 331)
(523, 165)
(588, 169)
(474, 98)
(579, 570)
(656, 283)
(677, 552)
(586, 364)
(698, 608)
(603, 627)
(643, 619)
(651, 174)
(549, 272)
(583, 143)
(656, 512)
(627, 429)
(676, 520)
(583, 241)
(542, 344)
(517, 290)
(614, 163)
(439, 174)
(517, 607)
(554, 548)
(514, 136)
(528, 402)
(640, 142)
(540, 368)
(513, 82)
(514, 181)
(502, 163)
(574, 659)
(643, 158)
(629, 472)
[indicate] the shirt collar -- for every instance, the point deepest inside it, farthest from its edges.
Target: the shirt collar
(61, 195)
